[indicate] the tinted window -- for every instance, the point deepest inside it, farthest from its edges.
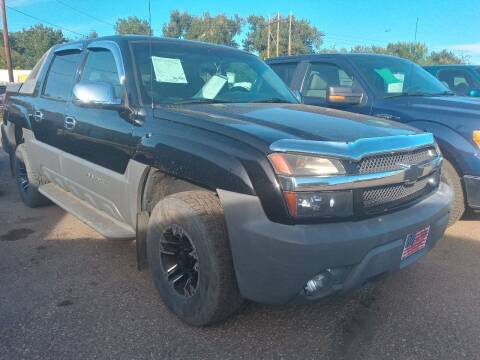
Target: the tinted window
(173, 74)
(322, 76)
(61, 76)
(28, 87)
(101, 66)
(392, 76)
(459, 81)
(285, 71)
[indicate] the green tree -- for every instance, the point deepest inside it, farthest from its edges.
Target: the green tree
(417, 52)
(445, 57)
(178, 26)
(218, 29)
(133, 25)
(306, 38)
(28, 45)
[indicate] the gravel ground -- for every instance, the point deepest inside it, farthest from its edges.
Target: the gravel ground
(65, 293)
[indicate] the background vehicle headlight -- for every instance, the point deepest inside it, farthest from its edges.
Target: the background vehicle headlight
(476, 137)
(305, 165)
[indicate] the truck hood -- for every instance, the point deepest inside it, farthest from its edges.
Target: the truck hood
(456, 112)
(271, 122)
(453, 104)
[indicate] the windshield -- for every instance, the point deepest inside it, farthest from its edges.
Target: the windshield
(478, 70)
(174, 74)
(392, 77)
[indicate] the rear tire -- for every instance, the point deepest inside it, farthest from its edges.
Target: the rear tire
(187, 235)
(28, 180)
(451, 177)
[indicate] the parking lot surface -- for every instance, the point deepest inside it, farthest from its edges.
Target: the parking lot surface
(65, 292)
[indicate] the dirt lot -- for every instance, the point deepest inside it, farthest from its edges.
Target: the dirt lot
(67, 293)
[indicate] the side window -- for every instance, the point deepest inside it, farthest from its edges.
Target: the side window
(285, 71)
(28, 87)
(61, 76)
(101, 67)
(459, 81)
(322, 76)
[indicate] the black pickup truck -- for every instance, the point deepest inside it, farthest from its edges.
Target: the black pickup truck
(232, 189)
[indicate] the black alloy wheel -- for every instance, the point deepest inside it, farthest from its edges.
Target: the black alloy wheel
(179, 260)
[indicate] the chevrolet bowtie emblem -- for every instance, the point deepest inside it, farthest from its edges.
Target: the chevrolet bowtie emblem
(412, 173)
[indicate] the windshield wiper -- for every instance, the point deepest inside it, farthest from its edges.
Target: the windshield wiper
(201, 101)
(407, 94)
(444, 93)
(272, 100)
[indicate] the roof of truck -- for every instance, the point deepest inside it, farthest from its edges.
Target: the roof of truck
(326, 56)
(129, 38)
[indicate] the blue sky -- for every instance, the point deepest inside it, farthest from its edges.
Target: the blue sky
(453, 24)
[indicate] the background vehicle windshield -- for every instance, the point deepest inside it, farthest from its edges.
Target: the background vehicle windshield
(395, 77)
(173, 74)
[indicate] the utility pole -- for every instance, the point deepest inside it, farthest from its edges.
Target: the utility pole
(268, 37)
(290, 34)
(6, 44)
(278, 30)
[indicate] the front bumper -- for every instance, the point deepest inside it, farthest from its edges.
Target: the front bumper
(472, 188)
(273, 262)
(5, 143)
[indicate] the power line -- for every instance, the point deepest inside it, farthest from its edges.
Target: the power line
(45, 21)
(84, 13)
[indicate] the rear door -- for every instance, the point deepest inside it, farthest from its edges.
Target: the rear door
(48, 117)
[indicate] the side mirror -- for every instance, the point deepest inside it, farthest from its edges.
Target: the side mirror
(342, 95)
(96, 93)
(474, 93)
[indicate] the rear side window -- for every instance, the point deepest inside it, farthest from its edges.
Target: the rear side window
(28, 87)
(61, 76)
(101, 67)
(285, 71)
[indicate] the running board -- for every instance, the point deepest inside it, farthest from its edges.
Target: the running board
(98, 220)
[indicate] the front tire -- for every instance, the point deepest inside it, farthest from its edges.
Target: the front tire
(28, 180)
(190, 258)
(451, 177)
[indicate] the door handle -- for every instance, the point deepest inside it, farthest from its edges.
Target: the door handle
(38, 116)
(69, 123)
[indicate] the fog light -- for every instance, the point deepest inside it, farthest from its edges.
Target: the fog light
(316, 284)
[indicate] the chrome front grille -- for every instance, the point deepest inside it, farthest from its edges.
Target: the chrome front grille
(395, 161)
(397, 194)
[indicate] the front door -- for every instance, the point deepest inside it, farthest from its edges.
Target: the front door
(322, 75)
(101, 135)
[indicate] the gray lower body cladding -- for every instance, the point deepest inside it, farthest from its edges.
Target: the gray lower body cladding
(472, 188)
(5, 143)
(273, 262)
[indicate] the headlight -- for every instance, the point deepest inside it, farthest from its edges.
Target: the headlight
(304, 165)
(301, 204)
(476, 137)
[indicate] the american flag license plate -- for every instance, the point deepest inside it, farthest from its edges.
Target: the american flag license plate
(415, 242)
